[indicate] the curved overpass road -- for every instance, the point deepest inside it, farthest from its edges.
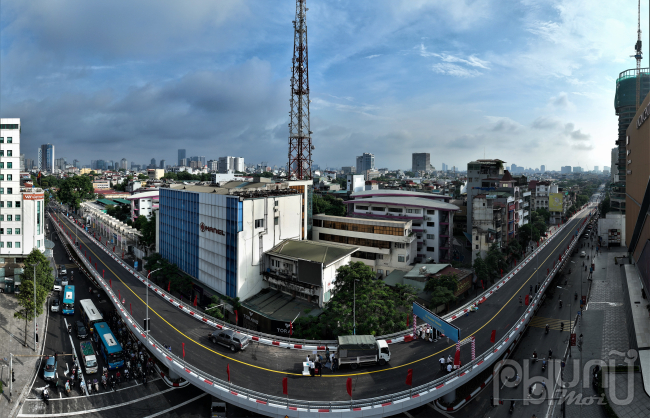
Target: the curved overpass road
(261, 368)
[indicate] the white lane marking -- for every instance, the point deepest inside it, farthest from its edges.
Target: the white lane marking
(106, 392)
(176, 407)
(105, 408)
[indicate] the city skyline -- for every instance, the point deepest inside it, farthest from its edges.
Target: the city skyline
(426, 90)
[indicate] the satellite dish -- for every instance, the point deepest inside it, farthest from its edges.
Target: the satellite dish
(423, 270)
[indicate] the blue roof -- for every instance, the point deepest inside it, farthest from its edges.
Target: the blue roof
(108, 339)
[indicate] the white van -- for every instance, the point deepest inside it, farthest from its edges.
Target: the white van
(88, 357)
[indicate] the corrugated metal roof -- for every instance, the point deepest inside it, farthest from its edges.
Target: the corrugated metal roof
(320, 252)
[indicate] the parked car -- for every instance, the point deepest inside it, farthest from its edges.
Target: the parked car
(583, 254)
(228, 338)
(56, 305)
(49, 370)
(57, 285)
(81, 330)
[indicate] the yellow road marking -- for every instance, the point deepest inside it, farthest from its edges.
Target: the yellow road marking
(337, 375)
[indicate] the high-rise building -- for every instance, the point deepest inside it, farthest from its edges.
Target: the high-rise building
(577, 169)
(181, 155)
(606, 169)
(163, 163)
(22, 222)
(29, 164)
(76, 163)
(22, 162)
(565, 169)
(153, 163)
(596, 168)
(124, 164)
(235, 164)
(542, 169)
(365, 162)
(46, 158)
(421, 161)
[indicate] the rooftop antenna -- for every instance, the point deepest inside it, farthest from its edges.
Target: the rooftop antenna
(638, 55)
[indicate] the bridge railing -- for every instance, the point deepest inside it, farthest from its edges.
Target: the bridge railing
(198, 314)
(252, 399)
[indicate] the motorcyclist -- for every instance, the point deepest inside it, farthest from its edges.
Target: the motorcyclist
(575, 296)
(534, 356)
(550, 354)
(67, 386)
(560, 303)
(547, 328)
(561, 326)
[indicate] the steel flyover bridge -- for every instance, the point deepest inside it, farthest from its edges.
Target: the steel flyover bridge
(256, 374)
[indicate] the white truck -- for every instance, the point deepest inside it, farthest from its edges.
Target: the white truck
(358, 350)
(88, 357)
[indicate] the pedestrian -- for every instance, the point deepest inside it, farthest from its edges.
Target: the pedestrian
(327, 353)
(312, 370)
(308, 359)
(450, 360)
(536, 288)
(319, 368)
(442, 363)
(335, 364)
(449, 368)
(531, 289)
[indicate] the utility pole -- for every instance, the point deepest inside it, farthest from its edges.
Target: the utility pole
(300, 146)
(34, 306)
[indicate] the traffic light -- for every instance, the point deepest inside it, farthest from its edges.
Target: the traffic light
(13, 376)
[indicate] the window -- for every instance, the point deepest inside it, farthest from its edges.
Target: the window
(2, 244)
(259, 223)
(400, 245)
(378, 209)
(9, 177)
(2, 153)
(380, 256)
(8, 217)
(431, 211)
(17, 203)
(277, 203)
(17, 231)
(17, 244)
(380, 271)
(276, 221)
(431, 224)
(8, 205)
(2, 231)
(38, 243)
(2, 190)
(2, 165)
(17, 218)
(10, 165)
(387, 272)
(2, 217)
(8, 244)
(2, 204)
(360, 207)
(9, 140)
(10, 190)
(477, 246)
(396, 210)
(477, 238)
(431, 249)
(8, 231)
(401, 258)
(431, 236)
(9, 153)
(2, 140)
(412, 210)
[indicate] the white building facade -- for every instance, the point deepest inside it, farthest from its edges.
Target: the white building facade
(143, 204)
(219, 237)
(22, 209)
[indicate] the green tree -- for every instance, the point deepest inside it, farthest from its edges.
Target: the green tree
(379, 309)
(442, 290)
(143, 177)
(328, 205)
(76, 189)
(495, 261)
(214, 309)
(149, 231)
(120, 212)
(30, 310)
(544, 214)
(441, 296)
(44, 273)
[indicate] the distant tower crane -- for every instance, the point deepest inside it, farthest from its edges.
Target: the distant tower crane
(638, 56)
(300, 146)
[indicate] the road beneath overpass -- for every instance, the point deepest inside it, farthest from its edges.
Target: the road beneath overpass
(261, 368)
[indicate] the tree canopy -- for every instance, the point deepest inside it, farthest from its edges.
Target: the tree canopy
(380, 309)
(328, 205)
(75, 189)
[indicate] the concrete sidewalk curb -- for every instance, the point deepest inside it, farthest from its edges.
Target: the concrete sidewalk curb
(19, 401)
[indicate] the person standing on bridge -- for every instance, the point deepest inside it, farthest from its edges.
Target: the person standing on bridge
(521, 301)
(531, 289)
(442, 363)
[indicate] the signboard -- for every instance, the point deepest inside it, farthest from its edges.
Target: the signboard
(438, 323)
(33, 196)
(491, 196)
(555, 202)
(204, 228)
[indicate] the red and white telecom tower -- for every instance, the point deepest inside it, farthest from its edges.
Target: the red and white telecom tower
(300, 146)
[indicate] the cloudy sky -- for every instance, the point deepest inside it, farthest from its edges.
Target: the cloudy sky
(531, 82)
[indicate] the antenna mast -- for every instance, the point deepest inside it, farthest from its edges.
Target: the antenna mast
(638, 56)
(300, 146)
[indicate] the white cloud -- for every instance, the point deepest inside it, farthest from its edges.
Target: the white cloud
(373, 56)
(454, 70)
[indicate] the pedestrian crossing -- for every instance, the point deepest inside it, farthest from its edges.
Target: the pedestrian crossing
(553, 323)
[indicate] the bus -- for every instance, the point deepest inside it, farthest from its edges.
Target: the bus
(90, 314)
(109, 347)
(68, 300)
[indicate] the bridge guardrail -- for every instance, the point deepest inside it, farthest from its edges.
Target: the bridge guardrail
(309, 345)
(378, 406)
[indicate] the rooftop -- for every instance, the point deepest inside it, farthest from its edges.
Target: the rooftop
(407, 201)
(143, 195)
(387, 192)
(277, 305)
(361, 221)
(320, 252)
(240, 188)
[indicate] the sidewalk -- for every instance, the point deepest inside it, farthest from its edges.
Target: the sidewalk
(605, 329)
(12, 334)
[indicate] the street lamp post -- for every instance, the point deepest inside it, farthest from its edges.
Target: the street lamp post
(354, 308)
(34, 307)
(146, 317)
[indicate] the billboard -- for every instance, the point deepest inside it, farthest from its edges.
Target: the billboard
(555, 202)
(436, 322)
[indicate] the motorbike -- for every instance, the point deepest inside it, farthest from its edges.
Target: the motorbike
(534, 356)
(512, 406)
(95, 386)
(575, 296)
(543, 366)
(550, 354)
(140, 369)
(46, 396)
(67, 387)
(104, 382)
(561, 326)
(546, 329)
(113, 384)
(70, 329)
(560, 303)
(126, 375)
